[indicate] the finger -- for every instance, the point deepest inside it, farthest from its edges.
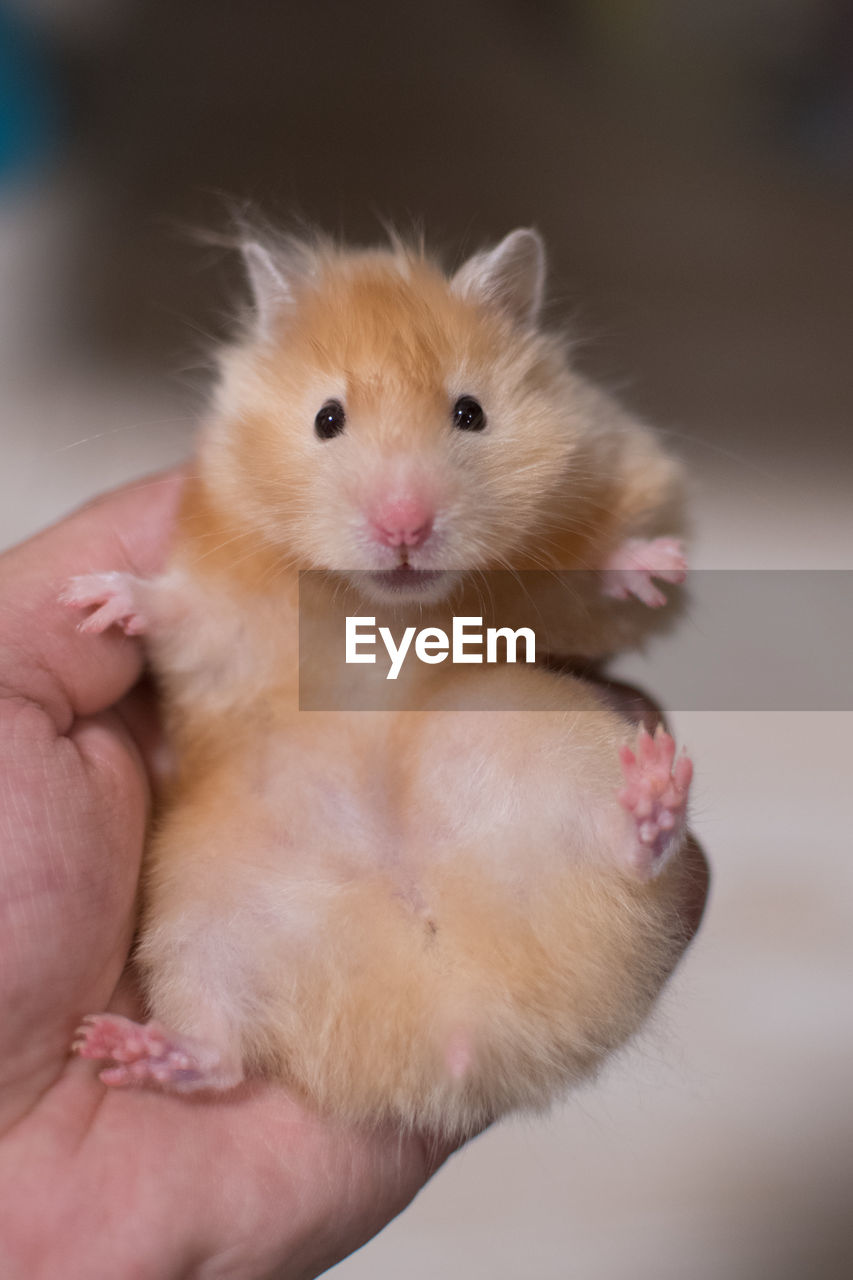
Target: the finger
(627, 701)
(697, 883)
(42, 655)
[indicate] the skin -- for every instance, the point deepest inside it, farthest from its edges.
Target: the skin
(98, 1182)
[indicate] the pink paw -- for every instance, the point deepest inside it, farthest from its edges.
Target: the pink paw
(115, 594)
(655, 795)
(148, 1054)
(630, 570)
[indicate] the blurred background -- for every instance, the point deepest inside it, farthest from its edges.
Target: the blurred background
(690, 164)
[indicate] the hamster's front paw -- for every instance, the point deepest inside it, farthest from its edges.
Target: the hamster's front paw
(116, 596)
(655, 796)
(631, 568)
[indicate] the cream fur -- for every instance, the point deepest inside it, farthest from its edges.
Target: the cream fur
(427, 915)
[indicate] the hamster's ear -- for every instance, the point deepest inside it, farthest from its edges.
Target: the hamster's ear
(510, 276)
(271, 290)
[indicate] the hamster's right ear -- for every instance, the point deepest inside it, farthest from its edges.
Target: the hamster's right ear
(271, 289)
(511, 276)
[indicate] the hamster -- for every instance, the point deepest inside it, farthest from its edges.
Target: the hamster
(434, 911)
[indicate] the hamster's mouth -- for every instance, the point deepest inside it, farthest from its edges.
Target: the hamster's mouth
(405, 585)
(406, 579)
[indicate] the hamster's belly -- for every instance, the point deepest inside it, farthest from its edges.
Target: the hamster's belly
(413, 914)
(404, 793)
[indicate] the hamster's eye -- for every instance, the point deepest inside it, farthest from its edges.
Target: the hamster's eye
(331, 420)
(468, 414)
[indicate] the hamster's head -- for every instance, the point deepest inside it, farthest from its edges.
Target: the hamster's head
(390, 423)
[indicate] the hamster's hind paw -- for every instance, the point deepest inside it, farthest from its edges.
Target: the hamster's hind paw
(116, 598)
(655, 797)
(146, 1053)
(631, 568)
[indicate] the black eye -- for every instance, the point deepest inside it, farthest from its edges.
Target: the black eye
(331, 420)
(468, 414)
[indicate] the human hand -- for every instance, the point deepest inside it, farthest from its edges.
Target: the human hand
(105, 1183)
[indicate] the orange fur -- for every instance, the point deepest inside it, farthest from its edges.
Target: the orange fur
(427, 914)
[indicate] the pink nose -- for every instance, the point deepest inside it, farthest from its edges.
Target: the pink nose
(404, 522)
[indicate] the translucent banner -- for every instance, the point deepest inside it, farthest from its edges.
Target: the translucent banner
(761, 640)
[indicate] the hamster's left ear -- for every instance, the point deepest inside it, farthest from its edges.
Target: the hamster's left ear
(511, 276)
(271, 290)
